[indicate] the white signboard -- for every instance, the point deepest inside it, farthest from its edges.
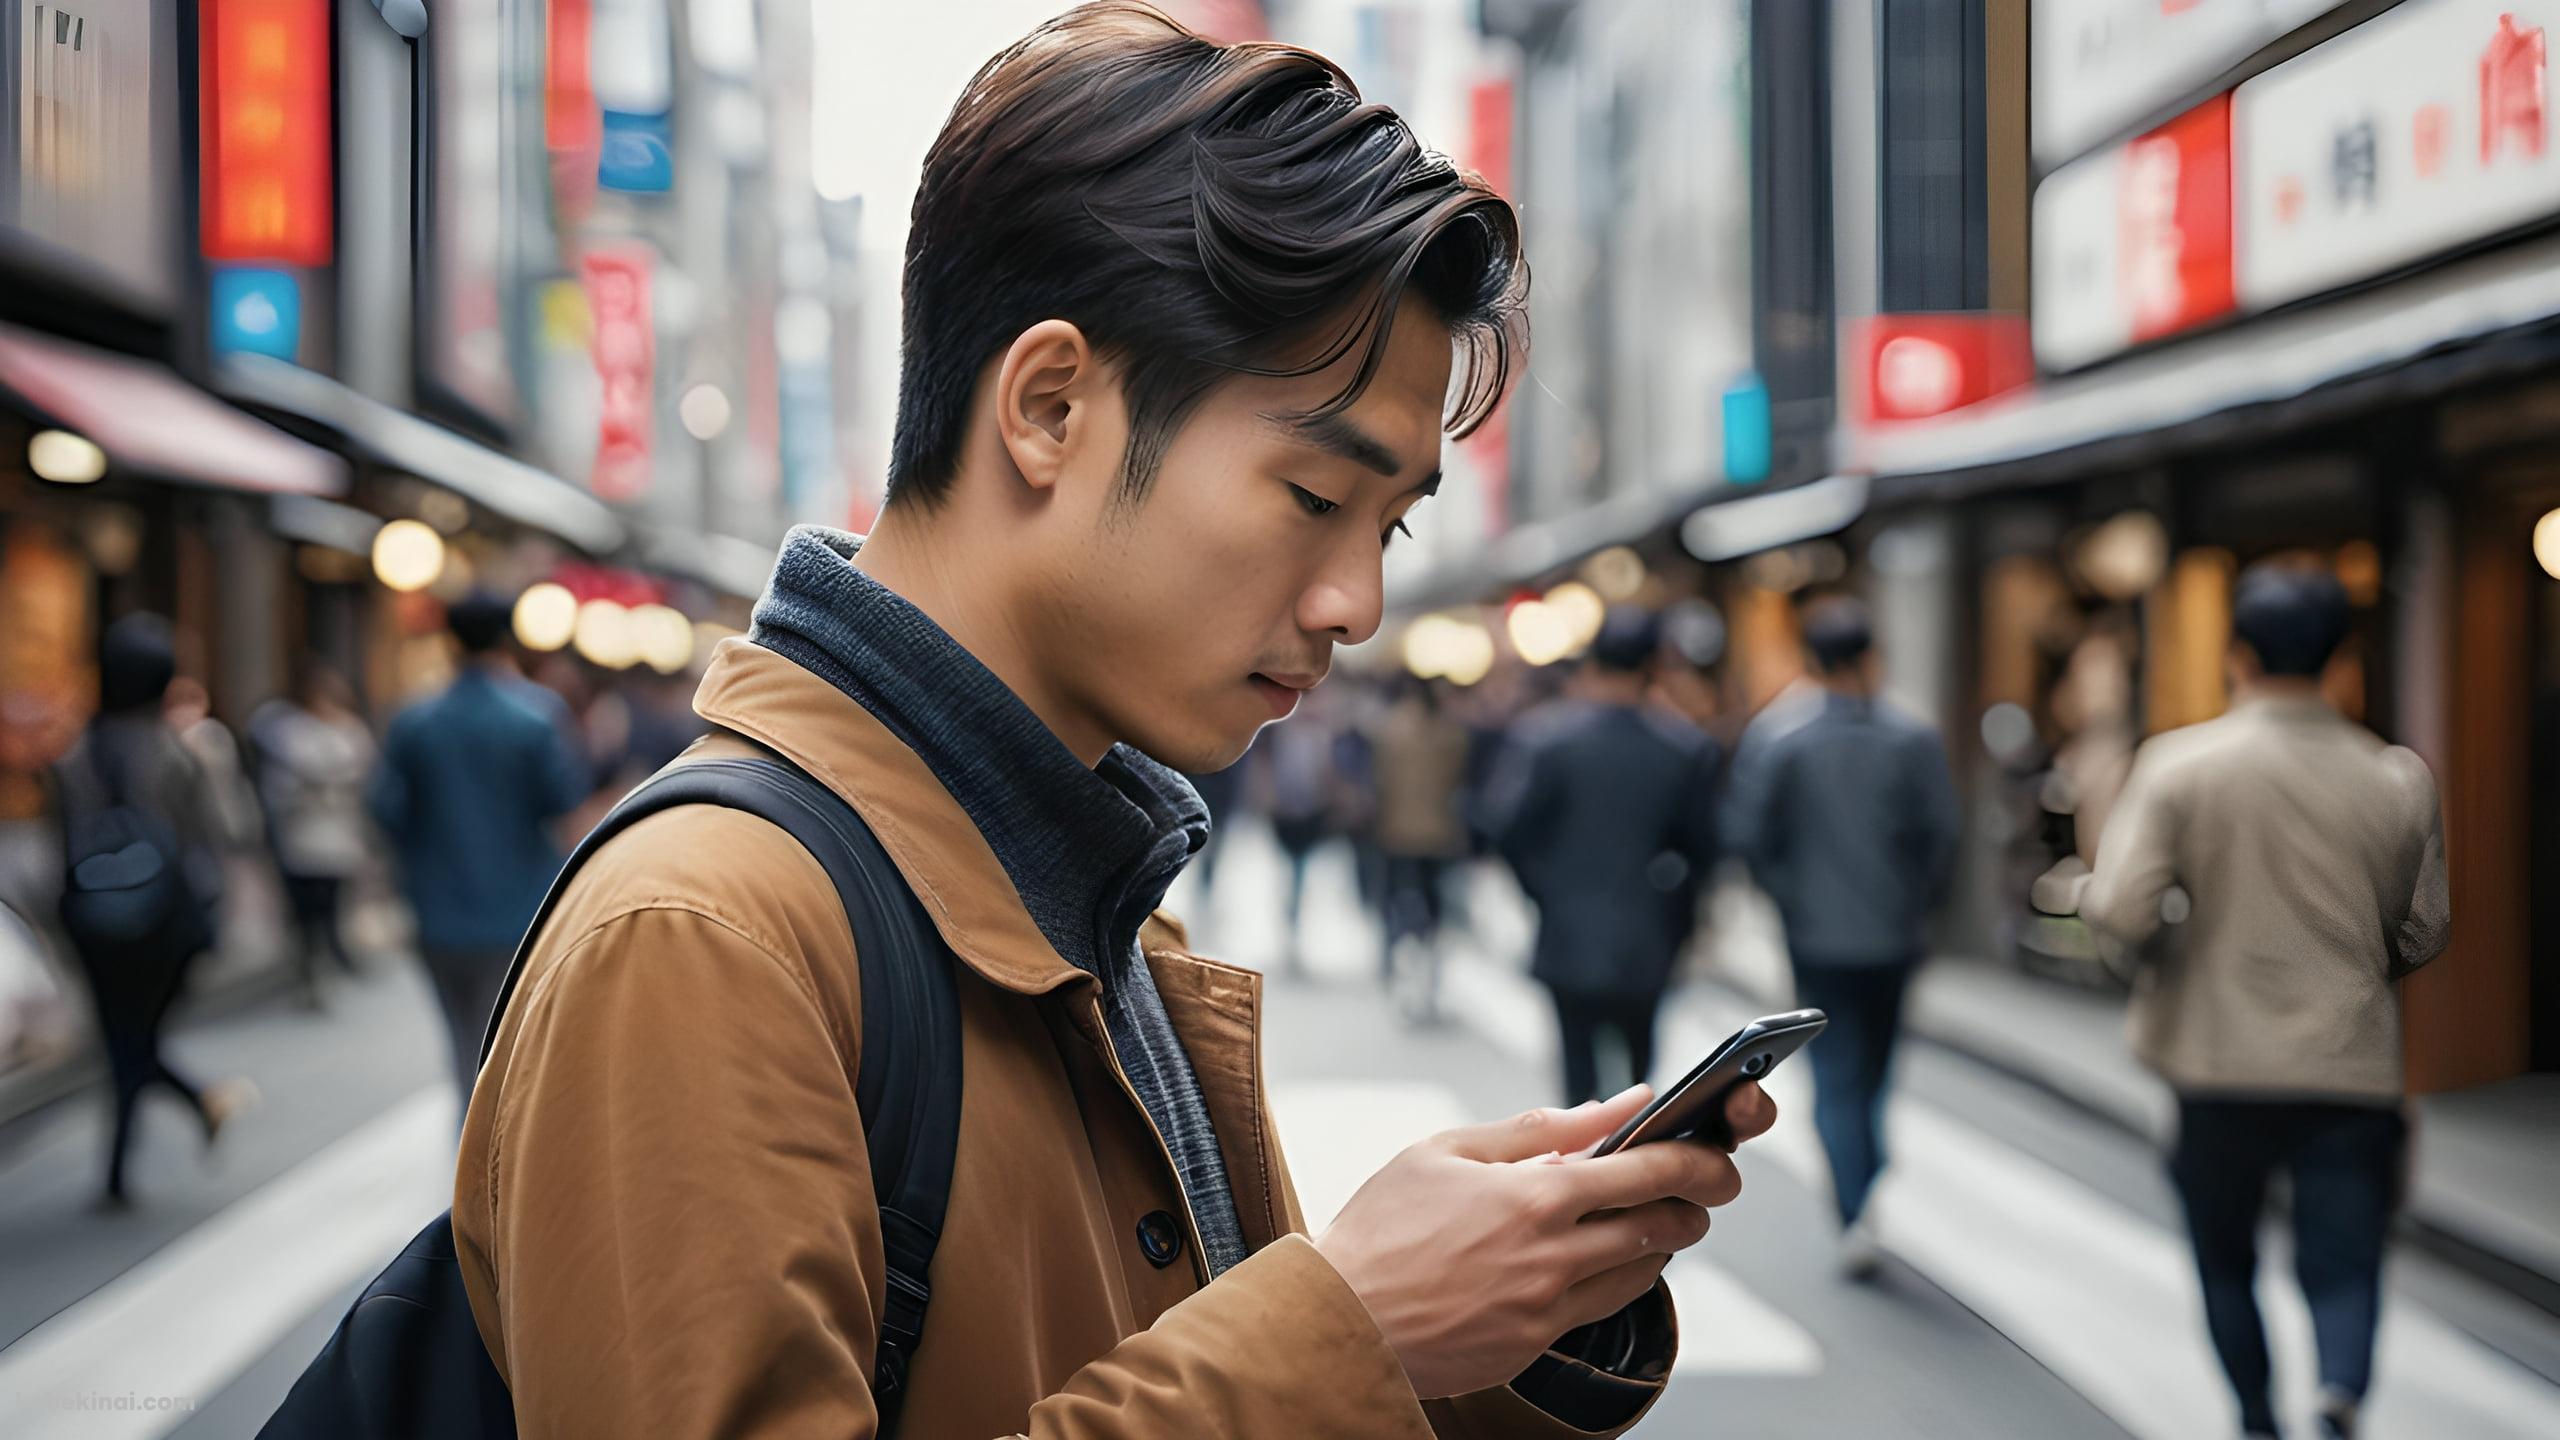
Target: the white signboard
(2413, 134)
(2078, 311)
(2100, 66)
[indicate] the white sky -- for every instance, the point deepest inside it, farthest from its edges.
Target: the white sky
(886, 74)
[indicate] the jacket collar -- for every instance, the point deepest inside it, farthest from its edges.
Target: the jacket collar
(770, 700)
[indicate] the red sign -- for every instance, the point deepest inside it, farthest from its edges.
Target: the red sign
(572, 125)
(1911, 367)
(1491, 106)
(626, 352)
(266, 134)
(2173, 212)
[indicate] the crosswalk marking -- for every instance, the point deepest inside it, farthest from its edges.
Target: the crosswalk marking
(184, 1323)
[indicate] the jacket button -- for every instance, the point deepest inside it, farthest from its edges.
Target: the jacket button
(1159, 1239)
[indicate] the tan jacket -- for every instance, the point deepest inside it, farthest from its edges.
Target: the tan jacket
(2313, 857)
(664, 1209)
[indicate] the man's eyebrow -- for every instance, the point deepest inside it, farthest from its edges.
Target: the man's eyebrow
(1337, 436)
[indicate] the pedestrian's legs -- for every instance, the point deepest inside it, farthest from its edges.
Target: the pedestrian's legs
(1850, 1061)
(2344, 1178)
(1577, 1026)
(467, 984)
(130, 1067)
(2224, 1153)
(1635, 1022)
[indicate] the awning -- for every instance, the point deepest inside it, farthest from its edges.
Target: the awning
(394, 438)
(153, 423)
(1526, 552)
(1782, 517)
(323, 522)
(2408, 340)
(725, 563)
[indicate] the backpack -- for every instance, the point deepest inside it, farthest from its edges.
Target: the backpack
(124, 881)
(407, 1362)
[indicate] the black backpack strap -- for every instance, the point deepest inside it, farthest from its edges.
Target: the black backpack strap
(909, 1083)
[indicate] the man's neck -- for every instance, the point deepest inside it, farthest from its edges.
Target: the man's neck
(2279, 689)
(958, 590)
(1850, 686)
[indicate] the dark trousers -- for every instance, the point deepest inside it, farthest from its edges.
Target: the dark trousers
(2344, 1160)
(134, 988)
(466, 984)
(1412, 904)
(314, 902)
(1852, 1060)
(1581, 1018)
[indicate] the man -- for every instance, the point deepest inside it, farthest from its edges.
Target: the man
(2308, 860)
(469, 784)
(1146, 460)
(1605, 809)
(1848, 818)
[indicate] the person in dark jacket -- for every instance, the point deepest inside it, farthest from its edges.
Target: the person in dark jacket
(131, 757)
(1605, 809)
(469, 785)
(1848, 818)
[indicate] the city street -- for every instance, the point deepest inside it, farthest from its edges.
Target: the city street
(2039, 1286)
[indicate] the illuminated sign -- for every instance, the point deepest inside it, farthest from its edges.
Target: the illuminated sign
(266, 131)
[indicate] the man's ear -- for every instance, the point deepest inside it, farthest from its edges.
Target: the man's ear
(1042, 384)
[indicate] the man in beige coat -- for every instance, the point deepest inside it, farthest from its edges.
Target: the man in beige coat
(2305, 859)
(1180, 323)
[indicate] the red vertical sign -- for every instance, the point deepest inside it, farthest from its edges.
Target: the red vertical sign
(266, 134)
(626, 351)
(572, 125)
(2173, 215)
(1489, 122)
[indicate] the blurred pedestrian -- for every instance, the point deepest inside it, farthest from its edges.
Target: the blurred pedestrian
(2307, 858)
(1295, 786)
(314, 754)
(1848, 818)
(1420, 752)
(141, 880)
(1605, 808)
(469, 785)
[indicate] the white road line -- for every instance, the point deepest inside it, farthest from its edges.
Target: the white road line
(188, 1320)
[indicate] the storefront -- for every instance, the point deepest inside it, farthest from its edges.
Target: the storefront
(2294, 322)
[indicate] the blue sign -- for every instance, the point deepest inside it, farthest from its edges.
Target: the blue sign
(638, 155)
(258, 311)
(1746, 432)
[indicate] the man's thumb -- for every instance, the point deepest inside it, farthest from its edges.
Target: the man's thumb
(1533, 1133)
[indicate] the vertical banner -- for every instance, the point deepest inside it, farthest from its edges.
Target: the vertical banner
(626, 351)
(266, 131)
(572, 126)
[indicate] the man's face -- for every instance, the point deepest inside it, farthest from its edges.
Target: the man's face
(1187, 622)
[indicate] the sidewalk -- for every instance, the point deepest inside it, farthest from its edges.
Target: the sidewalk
(2487, 1160)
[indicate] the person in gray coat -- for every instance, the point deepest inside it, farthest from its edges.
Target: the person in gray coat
(1848, 818)
(1605, 809)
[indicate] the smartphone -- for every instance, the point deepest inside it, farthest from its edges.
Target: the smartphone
(1694, 1108)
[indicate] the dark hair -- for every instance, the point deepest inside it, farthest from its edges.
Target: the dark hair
(480, 621)
(1628, 641)
(1837, 633)
(1199, 211)
(137, 658)
(2292, 618)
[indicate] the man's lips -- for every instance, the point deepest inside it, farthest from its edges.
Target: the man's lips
(1281, 692)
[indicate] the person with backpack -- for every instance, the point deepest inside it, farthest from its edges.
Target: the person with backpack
(1145, 467)
(140, 881)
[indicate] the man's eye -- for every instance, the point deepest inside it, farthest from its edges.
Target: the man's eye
(1314, 503)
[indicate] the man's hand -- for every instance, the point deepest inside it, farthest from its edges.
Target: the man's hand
(1475, 1249)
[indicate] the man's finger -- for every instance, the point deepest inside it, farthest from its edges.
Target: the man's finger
(1608, 1292)
(1663, 1227)
(1685, 1169)
(1533, 1133)
(1750, 1111)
